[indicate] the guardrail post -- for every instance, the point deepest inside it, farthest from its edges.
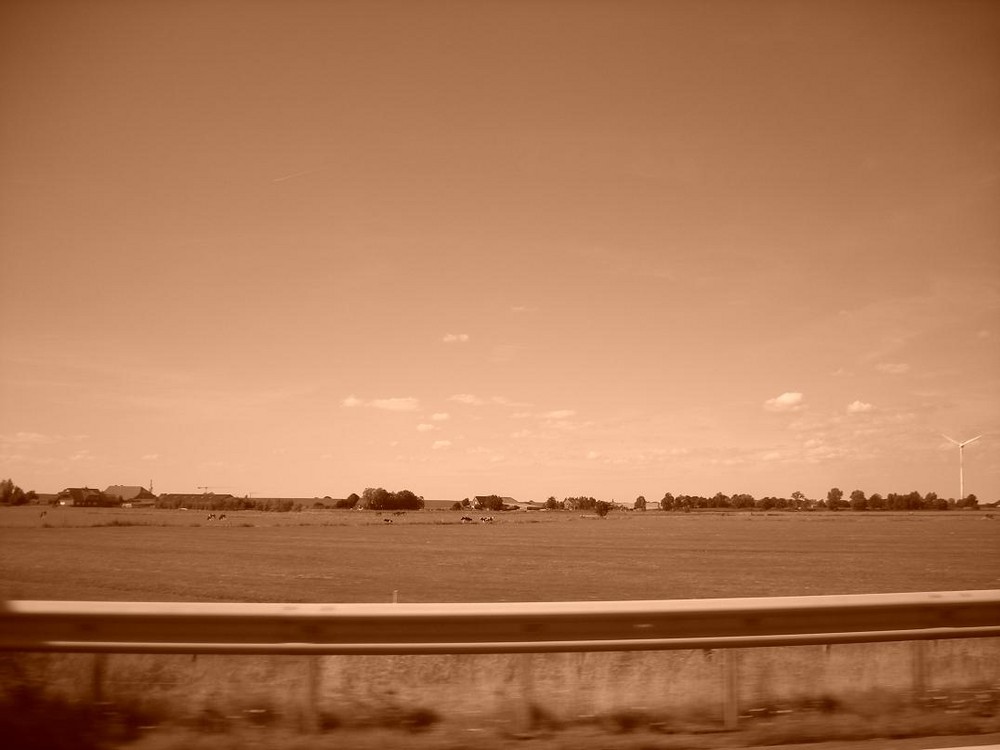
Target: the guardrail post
(730, 688)
(97, 669)
(918, 665)
(524, 716)
(310, 712)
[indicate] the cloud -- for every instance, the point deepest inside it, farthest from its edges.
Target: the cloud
(37, 438)
(455, 338)
(893, 368)
(558, 414)
(858, 407)
(396, 404)
(467, 398)
(521, 434)
(407, 403)
(150, 456)
(591, 455)
(440, 416)
(522, 309)
(425, 427)
(440, 444)
(785, 402)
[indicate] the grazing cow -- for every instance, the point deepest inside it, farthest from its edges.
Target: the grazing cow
(399, 513)
(43, 514)
(466, 519)
(486, 519)
(211, 517)
(386, 520)
(222, 517)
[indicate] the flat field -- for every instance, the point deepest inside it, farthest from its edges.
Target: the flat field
(430, 556)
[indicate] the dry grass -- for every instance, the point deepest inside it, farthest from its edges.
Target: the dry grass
(430, 556)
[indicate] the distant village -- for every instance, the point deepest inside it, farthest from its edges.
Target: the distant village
(137, 496)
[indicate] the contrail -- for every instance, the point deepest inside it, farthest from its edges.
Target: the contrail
(298, 174)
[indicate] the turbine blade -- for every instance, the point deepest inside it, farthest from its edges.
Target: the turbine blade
(950, 439)
(972, 440)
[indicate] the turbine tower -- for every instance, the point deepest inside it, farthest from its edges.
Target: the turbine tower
(961, 474)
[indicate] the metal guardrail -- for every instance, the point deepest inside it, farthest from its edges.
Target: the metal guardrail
(147, 627)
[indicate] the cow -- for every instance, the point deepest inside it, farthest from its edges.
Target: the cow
(386, 520)
(222, 517)
(486, 519)
(211, 517)
(466, 519)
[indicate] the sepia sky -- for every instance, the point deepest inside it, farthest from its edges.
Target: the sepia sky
(525, 248)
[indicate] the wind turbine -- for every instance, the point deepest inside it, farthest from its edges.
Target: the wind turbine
(961, 474)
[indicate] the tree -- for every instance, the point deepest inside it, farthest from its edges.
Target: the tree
(374, 498)
(601, 507)
(799, 499)
(833, 498)
(490, 502)
(667, 503)
(11, 494)
(552, 503)
(640, 503)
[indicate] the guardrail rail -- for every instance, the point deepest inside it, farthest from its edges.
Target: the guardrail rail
(238, 628)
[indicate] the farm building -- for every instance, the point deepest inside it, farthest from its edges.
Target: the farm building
(129, 493)
(85, 497)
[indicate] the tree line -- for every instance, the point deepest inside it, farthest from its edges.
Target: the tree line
(834, 500)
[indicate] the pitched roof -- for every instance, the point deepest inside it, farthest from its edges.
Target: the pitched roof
(129, 492)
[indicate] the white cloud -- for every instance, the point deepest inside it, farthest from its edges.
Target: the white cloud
(591, 455)
(439, 444)
(558, 414)
(425, 427)
(859, 407)
(455, 338)
(521, 434)
(440, 416)
(150, 456)
(467, 398)
(396, 404)
(785, 402)
(893, 368)
(407, 403)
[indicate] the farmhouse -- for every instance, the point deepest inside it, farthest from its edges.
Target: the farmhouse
(130, 493)
(85, 497)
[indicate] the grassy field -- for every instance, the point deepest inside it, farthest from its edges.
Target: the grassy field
(316, 556)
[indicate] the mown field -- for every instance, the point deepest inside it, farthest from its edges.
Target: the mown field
(328, 556)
